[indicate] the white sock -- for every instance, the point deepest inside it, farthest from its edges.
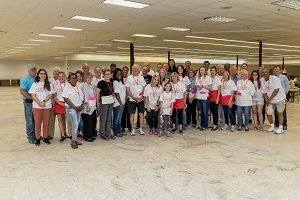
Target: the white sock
(272, 125)
(281, 126)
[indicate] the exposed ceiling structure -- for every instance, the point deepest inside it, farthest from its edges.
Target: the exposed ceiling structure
(23, 23)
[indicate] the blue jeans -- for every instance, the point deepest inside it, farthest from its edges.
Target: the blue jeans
(183, 119)
(29, 120)
(203, 108)
(74, 117)
(228, 111)
(118, 112)
(240, 113)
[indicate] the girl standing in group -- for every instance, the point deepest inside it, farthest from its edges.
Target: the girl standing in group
(179, 92)
(214, 96)
(59, 107)
(41, 92)
(73, 97)
(166, 108)
(257, 101)
(228, 88)
(203, 85)
(80, 83)
(151, 94)
(119, 98)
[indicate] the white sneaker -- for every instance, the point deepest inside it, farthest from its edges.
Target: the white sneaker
(225, 127)
(279, 131)
(141, 131)
(132, 132)
(232, 128)
(271, 129)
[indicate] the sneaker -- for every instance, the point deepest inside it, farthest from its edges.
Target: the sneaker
(187, 125)
(150, 132)
(180, 132)
(111, 137)
(173, 130)
(62, 139)
(279, 131)
(141, 131)
(232, 128)
(194, 125)
(225, 127)
(284, 127)
(271, 129)
(168, 134)
(105, 138)
(31, 141)
(155, 132)
(37, 142)
(132, 132)
(45, 140)
(49, 138)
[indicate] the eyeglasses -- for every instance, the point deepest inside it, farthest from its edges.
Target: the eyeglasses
(106, 74)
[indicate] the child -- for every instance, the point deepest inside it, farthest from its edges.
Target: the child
(166, 104)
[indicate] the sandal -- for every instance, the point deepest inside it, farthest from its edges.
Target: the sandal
(239, 128)
(74, 145)
(261, 128)
(214, 128)
(246, 129)
(255, 128)
(202, 129)
(198, 128)
(78, 143)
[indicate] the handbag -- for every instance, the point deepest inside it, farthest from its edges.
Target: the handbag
(107, 99)
(202, 95)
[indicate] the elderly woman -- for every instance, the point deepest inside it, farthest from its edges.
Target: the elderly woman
(245, 91)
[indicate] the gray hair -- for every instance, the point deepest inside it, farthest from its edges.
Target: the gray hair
(220, 66)
(243, 71)
(86, 74)
(135, 66)
(55, 68)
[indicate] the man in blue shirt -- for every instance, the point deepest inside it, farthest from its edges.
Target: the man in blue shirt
(286, 87)
(25, 85)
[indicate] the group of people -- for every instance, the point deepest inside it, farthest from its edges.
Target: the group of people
(169, 96)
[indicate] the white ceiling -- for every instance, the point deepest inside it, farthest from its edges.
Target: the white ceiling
(256, 20)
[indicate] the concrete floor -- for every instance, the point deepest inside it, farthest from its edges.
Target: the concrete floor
(198, 165)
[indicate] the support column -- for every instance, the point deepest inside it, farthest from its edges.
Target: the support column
(169, 56)
(283, 63)
(66, 68)
(237, 61)
(131, 56)
(260, 54)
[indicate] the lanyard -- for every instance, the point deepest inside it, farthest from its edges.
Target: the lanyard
(268, 87)
(201, 80)
(62, 88)
(244, 86)
(136, 81)
(175, 88)
(256, 86)
(91, 88)
(154, 91)
(109, 86)
(224, 85)
(77, 91)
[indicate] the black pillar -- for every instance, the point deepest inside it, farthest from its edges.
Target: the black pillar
(237, 61)
(283, 63)
(168, 56)
(131, 56)
(260, 54)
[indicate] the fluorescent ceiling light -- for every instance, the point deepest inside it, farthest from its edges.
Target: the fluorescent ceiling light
(220, 19)
(144, 49)
(50, 35)
(103, 51)
(92, 19)
(66, 28)
(32, 40)
(30, 44)
(88, 47)
(128, 41)
(100, 44)
(123, 48)
(144, 35)
(151, 47)
(176, 29)
(125, 3)
(17, 50)
(293, 4)
(219, 39)
(23, 47)
(12, 52)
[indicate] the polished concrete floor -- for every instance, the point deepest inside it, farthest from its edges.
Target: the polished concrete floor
(198, 165)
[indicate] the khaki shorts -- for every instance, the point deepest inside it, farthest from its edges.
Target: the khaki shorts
(279, 106)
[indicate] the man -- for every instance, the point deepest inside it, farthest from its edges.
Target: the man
(149, 71)
(85, 68)
(166, 67)
(245, 66)
(227, 67)
(113, 66)
(97, 77)
(25, 85)
(221, 71)
(206, 65)
(274, 96)
(159, 67)
(135, 86)
(188, 65)
(286, 87)
(234, 75)
(146, 76)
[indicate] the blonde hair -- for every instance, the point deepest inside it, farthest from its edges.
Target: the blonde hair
(153, 77)
(199, 74)
(227, 73)
(243, 71)
(174, 74)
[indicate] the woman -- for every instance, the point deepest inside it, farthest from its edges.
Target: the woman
(41, 92)
(163, 77)
(191, 101)
(119, 98)
(151, 94)
(172, 65)
(59, 107)
(245, 91)
(89, 116)
(257, 101)
(214, 96)
(203, 85)
(73, 98)
(105, 101)
(260, 72)
(126, 116)
(179, 92)
(228, 88)
(80, 83)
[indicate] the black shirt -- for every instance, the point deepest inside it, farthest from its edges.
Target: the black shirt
(106, 88)
(147, 79)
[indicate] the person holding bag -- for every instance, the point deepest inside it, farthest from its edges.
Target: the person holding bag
(214, 97)
(203, 85)
(105, 101)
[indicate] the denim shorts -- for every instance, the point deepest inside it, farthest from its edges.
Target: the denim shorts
(257, 102)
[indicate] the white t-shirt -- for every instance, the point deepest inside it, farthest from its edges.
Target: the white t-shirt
(215, 83)
(205, 81)
(151, 73)
(74, 94)
(167, 99)
(88, 91)
(268, 87)
(58, 89)
(227, 87)
(119, 88)
(244, 87)
(95, 81)
(153, 94)
(178, 89)
(79, 84)
(53, 81)
(186, 81)
(220, 77)
(37, 88)
(136, 85)
(257, 94)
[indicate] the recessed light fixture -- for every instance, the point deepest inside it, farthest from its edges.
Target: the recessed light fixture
(220, 19)
(17, 50)
(92, 19)
(30, 44)
(100, 44)
(50, 35)
(103, 51)
(127, 48)
(220, 39)
(88, 47)
(125, 3)
(144, 35)
(176, 29)
(32, 40)
(66, 28)
(23, 47)
(128, 41)
(293, 4)
(12, 52)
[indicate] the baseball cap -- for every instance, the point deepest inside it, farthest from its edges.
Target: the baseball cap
(31, 66)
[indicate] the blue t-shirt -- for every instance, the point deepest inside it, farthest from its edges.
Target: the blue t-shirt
(26, 83)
